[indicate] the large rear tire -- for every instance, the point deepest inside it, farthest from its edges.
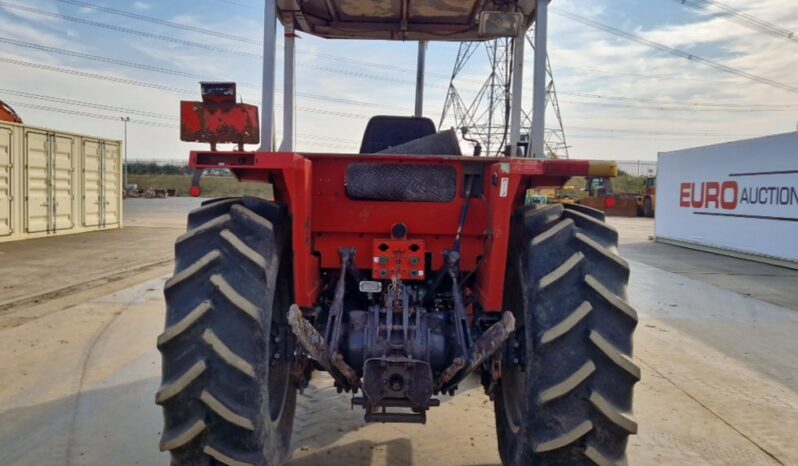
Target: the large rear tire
(227, 393)
(565, 394)
(648, 207)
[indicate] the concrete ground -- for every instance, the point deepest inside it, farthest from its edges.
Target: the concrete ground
(78, 367)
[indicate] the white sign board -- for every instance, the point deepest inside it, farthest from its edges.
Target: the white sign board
(741, 196)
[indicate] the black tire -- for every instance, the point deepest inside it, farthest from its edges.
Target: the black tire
(648, 207)
(228, 396)
(568, 398)
(595, 213)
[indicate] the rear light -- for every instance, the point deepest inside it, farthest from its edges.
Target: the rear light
(610, 202)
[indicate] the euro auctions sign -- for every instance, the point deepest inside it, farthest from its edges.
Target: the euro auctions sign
(740, 196)
(729, 196)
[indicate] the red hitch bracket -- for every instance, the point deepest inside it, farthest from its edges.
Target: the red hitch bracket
(402, 259)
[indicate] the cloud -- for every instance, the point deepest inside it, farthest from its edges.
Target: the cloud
(630, 70)
(37, 4)
(141, 6)
(584, 61)
(13, 28)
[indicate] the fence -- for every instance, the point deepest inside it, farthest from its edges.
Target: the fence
(637, 167)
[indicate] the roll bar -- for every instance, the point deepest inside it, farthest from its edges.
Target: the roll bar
(289, 82)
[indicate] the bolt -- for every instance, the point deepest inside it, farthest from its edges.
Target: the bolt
(383, 273)
(515, 360)
(383, 260)
(414, 261)
(276, 355)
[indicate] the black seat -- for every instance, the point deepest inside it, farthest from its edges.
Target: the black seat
(383, 132)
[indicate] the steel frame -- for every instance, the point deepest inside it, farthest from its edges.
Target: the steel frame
(324, 219)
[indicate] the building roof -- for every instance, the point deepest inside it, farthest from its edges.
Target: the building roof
(454, 20)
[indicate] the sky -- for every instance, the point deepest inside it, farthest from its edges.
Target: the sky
(69, 66)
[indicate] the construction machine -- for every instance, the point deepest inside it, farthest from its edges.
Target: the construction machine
(8, 114)
(647, 200)
(400, 271)
(599, 194)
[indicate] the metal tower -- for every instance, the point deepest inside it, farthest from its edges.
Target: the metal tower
(487, 117)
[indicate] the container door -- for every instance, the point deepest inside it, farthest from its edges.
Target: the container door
(63, 189)
(92, 183)
(5, 182)
(111, 188)
(37, 176)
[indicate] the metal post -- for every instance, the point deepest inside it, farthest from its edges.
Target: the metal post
(420, 71)
(125, 120)
(539, 90)
(289, 90)
(267, 89)
(517, 93)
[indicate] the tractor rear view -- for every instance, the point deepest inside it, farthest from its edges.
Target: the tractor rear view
(399, 271)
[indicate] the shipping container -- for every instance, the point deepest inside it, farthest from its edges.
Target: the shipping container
(739, 198)
(55, 183)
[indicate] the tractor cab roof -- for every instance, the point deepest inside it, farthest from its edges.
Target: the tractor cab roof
(455, 20)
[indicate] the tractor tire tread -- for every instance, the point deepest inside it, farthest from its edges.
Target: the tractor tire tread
(579, 373)
(587, 210)
(215, 343)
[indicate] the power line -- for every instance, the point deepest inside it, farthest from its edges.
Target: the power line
(149, 114)
(86, 56)
(84, 74)
(329, 140)
(676, 108)
(686, 103)
(634, 137)
(205, 46)
(162, 22)
(332, 57)
(96, 106)
(657, 133)
(381, 66)
(89, 115)
(242, 5)
(686, 106)
(669, 77)
(752, 22)
(676, 52)
(185, 74)
(137, 32)
(177, 90)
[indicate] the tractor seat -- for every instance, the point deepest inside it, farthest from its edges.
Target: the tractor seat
(407, 135)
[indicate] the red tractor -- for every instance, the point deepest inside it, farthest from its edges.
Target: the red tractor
(399, 271)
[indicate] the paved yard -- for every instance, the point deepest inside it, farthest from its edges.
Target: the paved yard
(79, 369)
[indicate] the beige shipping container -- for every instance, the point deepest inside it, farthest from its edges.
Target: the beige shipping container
(55, 183)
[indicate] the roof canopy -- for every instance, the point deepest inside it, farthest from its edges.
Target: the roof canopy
(397, 19)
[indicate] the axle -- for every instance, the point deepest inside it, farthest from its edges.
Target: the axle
(400, 348)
